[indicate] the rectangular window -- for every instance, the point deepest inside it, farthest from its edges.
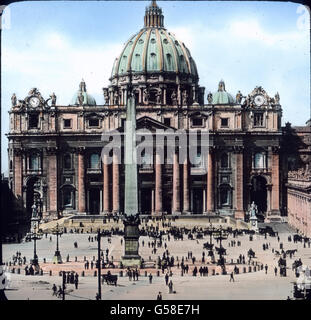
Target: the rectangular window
(95, 161)
(34, 162)
(94, 123)
(67, 123)
(224, 122)
(197, 122)
(33, 121)
(259, 161)
(258, 119)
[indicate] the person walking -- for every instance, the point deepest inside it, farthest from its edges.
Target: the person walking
(159, 297)
(266, 268)
(150, 278)
(170, 286)
(275, 271)
(54, 288)
(231, 277)
(166, 279)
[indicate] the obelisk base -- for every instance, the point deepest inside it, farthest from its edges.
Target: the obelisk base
(131, 257)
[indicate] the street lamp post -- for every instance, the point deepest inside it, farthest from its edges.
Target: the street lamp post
(57, 256)
(220, 235)
(210, 230)
(35, 236)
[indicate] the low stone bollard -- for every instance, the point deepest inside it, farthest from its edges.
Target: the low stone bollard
(82, 274)
(121, 273)
(50, 272)
(95, 273)
(158, 273)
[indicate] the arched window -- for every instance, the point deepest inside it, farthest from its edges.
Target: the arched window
(136, 62)
(94, 161)
(224, 160)
(34, 162)
(68, 198)
(153, 61)
(225, 196)
(259, 160)
(67, 161)
(169, 61)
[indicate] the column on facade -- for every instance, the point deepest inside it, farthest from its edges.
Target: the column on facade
(158, 184)
(186, 204)
(18, 173)
(210, 184)
(115, 184)
(275, 207)
(81, 182)
(239, 184)
(105, 184)
(176, 185)
(164, 96)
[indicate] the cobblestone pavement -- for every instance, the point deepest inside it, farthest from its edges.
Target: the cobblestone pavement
(254, 285)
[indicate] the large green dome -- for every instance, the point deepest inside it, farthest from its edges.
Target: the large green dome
(153, 49)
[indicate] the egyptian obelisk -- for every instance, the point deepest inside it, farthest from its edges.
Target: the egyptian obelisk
(131, 217)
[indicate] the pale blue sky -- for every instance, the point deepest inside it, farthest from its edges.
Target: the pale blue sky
(52, 45)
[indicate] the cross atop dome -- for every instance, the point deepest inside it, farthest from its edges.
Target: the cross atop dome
(154, 16)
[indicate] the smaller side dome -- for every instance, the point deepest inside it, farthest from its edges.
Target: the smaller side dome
(81, 97)
(222, 96)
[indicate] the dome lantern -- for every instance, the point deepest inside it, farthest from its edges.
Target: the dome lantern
(154, 16)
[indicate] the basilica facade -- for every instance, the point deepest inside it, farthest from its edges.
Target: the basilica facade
(55, 150)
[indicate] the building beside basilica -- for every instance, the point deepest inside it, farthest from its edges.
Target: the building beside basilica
(55, 150)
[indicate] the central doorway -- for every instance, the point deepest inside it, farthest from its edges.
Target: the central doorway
(197, 201)
(94, 201)
(146, 200)
(259, 193)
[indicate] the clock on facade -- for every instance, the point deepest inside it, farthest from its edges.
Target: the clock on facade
(34, 102)
(259, 100)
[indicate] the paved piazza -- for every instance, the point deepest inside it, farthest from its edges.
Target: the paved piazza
(254, 285)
